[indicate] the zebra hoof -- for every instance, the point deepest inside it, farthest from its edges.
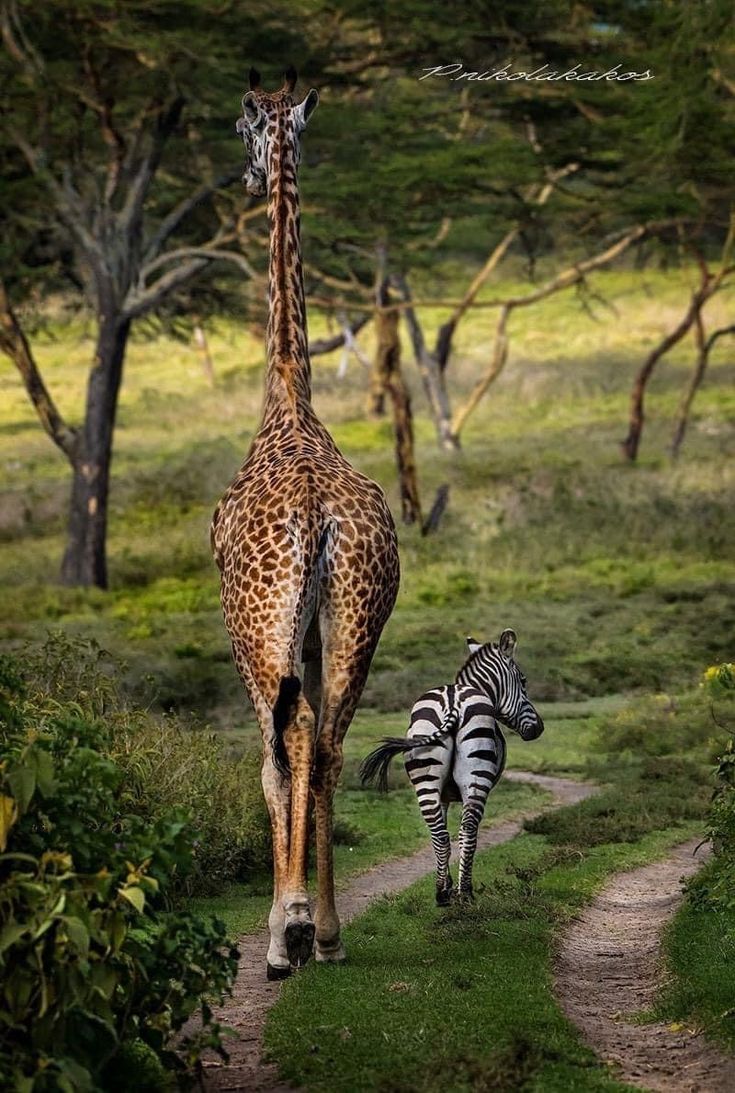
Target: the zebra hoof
(299, 942)
(466, 895)
(443, 897)
(274, 972)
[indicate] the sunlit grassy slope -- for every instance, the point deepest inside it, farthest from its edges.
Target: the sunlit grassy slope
(616, 578)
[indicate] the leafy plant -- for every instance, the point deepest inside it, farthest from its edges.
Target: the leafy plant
(92, 963)
(715, 885)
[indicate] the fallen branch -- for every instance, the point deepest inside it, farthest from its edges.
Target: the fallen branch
(431, 523)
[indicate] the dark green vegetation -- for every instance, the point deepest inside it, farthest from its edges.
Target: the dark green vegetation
(700, 943)
(99, 969)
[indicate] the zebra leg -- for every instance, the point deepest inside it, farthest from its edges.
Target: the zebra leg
(428, 768)
(479, 760)
(472, 813)
(435, 815)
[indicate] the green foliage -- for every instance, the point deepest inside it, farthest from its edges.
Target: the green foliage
(90, 958)
(151, 769)
(714, 887)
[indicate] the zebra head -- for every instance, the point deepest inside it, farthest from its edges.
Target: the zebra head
(492, 668)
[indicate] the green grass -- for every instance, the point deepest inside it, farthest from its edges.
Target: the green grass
(606, 571)
(619, 581)
(370, 828)
(699, 946)
(460, 999)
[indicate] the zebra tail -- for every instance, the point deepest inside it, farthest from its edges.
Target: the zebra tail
(375, 766)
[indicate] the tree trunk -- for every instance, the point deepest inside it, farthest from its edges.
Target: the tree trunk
(387, 371)
(200, 341)
(632, 441)
(85, 557)
(704, 347)
(431, 374)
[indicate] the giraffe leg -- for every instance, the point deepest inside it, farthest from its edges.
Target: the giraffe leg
(299, 928)
(278, 799)
(327, 769)
(287, 798)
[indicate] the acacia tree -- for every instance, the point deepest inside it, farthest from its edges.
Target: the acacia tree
(115, 124)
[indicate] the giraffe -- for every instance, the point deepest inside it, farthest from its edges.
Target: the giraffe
(308, 559)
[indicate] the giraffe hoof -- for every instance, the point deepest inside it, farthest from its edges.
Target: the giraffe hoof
(299, 942)
(275, 972)
(330, 954)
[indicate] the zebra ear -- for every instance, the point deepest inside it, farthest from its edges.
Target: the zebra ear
(507, 643)
(473, 645)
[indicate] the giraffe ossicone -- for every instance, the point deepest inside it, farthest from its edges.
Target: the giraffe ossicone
(308, 558)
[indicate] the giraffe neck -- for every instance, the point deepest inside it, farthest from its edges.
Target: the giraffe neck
(289, 372)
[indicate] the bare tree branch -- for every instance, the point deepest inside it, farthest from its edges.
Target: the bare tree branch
(139, 300)
(429, 370)
(497, 362)
(708, 286)
(166, 121)
(704, 348)
(170, 223)
(328, 345)
(14, 343)
(571, 275)
(113, 138)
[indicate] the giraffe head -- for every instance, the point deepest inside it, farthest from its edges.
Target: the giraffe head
(271, 118)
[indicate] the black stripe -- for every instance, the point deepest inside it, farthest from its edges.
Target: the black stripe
(417, 764)
(483, 753)
(480, 733)
(427, 714)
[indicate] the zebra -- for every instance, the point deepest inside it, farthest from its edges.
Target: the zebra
(456, 749)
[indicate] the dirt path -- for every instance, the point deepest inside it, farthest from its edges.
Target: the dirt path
(609, 968)
(253, 996)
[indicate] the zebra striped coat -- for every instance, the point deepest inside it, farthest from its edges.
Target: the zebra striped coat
(455, 749)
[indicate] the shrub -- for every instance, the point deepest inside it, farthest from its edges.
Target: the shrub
(715, 886)
(166, 763)
(93, 967)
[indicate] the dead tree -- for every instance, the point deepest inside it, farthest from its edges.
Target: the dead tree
(704, 348)
(387, 370)
(709, 284)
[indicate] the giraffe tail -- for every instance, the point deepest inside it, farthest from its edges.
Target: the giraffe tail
(313, 534)
(289, 690)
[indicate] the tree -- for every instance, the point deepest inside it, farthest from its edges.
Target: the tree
(97, 98)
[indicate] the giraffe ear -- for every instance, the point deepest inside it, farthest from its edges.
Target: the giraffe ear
(507, 643)
(306, 108)
(250, 109)
(473, 645)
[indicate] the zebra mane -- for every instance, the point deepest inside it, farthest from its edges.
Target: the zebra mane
(493, 647)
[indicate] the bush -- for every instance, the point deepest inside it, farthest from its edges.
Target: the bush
(93, 967)
(167, 763)
(714, 887)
